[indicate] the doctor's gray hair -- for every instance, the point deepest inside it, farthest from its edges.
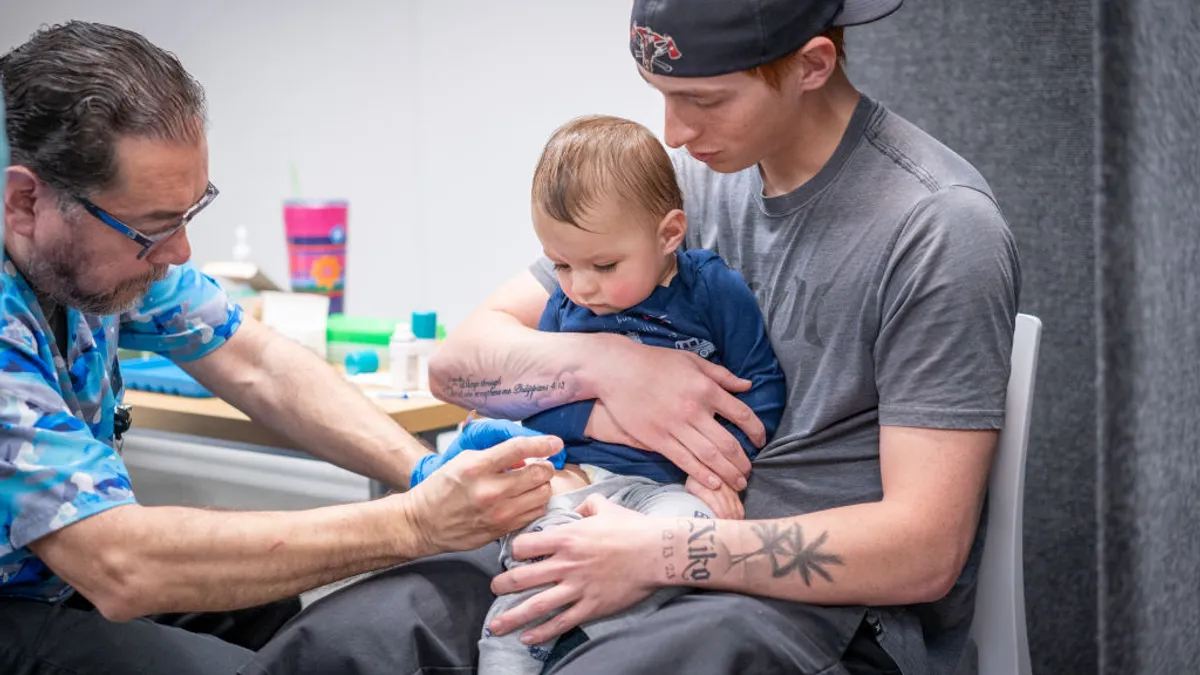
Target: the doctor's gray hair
(74, 89)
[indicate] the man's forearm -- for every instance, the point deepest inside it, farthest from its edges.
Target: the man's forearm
(494, 364)
(178, 559)
(864, 554)
(296, 394)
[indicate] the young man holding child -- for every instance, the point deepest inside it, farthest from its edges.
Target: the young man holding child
(889, 282)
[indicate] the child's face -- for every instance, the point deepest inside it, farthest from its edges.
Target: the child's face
(615, 259)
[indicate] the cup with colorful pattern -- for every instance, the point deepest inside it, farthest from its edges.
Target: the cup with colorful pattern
(316, 243)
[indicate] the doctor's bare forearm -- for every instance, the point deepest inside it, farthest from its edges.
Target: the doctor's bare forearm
(174, 559)
(299, 396)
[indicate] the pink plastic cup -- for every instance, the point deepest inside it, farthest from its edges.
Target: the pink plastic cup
(316, 243)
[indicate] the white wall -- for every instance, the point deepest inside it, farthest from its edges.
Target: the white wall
(428, 115)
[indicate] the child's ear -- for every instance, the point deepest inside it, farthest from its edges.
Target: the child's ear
(671, 230)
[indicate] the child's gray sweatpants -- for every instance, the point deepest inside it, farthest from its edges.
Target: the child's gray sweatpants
(504, 654)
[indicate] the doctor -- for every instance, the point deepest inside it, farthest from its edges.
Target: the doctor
(109, 167)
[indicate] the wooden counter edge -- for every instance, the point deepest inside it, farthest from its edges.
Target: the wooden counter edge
(230, 425)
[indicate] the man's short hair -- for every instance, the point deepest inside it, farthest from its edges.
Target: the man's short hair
(599, 157)
(773, 73)
(74, 89)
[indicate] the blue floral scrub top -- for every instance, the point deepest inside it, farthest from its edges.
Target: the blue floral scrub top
(58, 463)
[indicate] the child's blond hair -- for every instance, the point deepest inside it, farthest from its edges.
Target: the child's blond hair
(599, 157)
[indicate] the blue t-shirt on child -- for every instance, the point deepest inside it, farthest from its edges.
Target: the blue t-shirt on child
(708, 310)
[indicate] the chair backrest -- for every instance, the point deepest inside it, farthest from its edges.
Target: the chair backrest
(999, 626)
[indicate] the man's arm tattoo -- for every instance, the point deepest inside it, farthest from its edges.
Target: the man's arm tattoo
(668, 552)
(787, 550)
(480, 390)
(701, 547)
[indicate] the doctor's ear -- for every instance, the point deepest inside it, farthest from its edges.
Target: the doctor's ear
(22, 190)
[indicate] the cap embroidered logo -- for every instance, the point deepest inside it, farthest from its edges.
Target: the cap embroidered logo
(650, 48)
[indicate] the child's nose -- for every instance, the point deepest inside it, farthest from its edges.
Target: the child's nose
(585, 284)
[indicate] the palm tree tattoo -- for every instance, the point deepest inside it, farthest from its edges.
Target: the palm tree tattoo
(788, 551)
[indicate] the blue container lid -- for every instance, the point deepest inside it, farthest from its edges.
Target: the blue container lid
(362, 361)
(424, 325)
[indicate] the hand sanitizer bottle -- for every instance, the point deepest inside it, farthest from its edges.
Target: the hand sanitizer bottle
(404, 360)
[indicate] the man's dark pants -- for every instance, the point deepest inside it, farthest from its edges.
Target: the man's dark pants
(72, 638)
(425, 617)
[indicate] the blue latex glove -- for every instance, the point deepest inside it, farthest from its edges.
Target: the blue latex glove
(478, 436)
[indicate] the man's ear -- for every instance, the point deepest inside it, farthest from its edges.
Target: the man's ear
(20, 197)
(671, 230)
(816, 62)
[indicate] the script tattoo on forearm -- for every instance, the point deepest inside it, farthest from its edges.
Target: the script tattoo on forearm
(480, 390)
(785, 547)
(701, 548)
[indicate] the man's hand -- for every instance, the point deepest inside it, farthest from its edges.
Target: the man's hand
(665, 401)
(599, 566)
(476, 497)
(723, 501)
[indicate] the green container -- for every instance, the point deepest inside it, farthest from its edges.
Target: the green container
(360, 329)
(347, 334)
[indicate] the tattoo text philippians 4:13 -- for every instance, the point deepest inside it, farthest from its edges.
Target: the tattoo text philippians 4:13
(484, 388)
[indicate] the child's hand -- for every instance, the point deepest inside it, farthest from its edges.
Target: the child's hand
(724, 501)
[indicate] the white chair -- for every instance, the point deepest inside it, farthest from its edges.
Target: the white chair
(999, 626)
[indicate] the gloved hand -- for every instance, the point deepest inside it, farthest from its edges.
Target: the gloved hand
(477, 436)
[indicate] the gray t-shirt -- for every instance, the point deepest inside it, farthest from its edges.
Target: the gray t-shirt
(889, 284)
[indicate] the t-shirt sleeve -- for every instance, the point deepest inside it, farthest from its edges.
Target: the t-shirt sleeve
(543, 270)
(695, 183)
(745, 347)
(949, 308)
(53, 472)
(183, 317)
(551, 321)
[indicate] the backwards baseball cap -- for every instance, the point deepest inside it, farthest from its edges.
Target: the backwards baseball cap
(703, 38)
